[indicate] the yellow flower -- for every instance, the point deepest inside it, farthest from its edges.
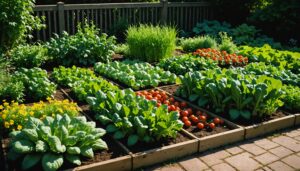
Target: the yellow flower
(4, 116)
(60, 110)
(31, 113)
(11, 122)
(1, 107)
(5, 104)
(6, 124)
(19, 127)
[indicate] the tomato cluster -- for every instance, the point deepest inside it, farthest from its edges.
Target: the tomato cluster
(188, 116)
(222, 57)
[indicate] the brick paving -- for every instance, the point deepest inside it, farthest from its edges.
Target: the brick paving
(277, 152)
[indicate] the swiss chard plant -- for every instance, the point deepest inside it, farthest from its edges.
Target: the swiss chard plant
(136, 75)
(186, 63)
(53, 141)
(68, 76)
(36, 83)
(127, 115)
(231, 91)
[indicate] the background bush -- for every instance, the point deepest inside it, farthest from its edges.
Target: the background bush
(151, 43)
(86, 47)
(28, 56)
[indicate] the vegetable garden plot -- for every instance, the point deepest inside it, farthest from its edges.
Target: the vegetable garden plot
(135, 75)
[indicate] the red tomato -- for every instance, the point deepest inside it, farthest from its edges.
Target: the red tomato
(158, 104)
(190, 110)
(217, 121)
(158, 96)
(200, 125)
(149, 97)
(171, 99)
(151, 91)
(202, 118)
(154, 94)
(173, 108)
(184, 119)
(166, 102)
(195, 119)
(221, 122)
(212, 125)
(187, 123)
(184, 113)
(183, 104)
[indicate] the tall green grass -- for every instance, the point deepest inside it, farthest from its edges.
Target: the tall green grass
(192, 44)
(151, 43)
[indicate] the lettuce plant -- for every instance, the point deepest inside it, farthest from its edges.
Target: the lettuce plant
(53, 140)
(133, 117)
(135, 74)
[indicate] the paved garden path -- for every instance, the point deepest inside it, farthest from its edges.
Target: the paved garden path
(279, 152)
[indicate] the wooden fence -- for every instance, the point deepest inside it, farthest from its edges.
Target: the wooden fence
(65, 17)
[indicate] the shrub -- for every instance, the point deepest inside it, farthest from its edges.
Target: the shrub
(291, 98)
(36, 82)
(211, 28)
(192, 44)
(84, 48)
(14, 116)
(53, 140)
(16, 22)
(227, 44)
(151, 43)
(28, 56)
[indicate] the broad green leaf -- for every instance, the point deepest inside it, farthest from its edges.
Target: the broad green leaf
(202, 102)
(246, 114)
(41, 146)
(119, 135)
(74, 159)
(70, 140)
(111, 128)
(51, 161)
(193, 97)
(87, 151)
(234, 114)
(73, 150)
(99, 144)
(132, 140)
(55, 144)
(23, 146)
(31, 160)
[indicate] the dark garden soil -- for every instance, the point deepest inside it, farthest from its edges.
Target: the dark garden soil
(142, 146)
(279, 114)
(207, 131)
(290, 111)
(114, 151)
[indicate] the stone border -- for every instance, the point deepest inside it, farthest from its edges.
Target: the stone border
(297, 119)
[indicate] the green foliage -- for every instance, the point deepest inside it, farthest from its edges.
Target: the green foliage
(68, 76)
(10, 89)
(283, 59)
(286, 76)
(192, 44)
(28, 56)
(133, 117)
(291, 98)
(122, 49)
(84, 48)
(16, 22)
(151, 43)
(233, 93)
(135, 74)
(227, 44)
(211, 28)
(36, 82)
(52, 140)
(187, 63)
(89, 87)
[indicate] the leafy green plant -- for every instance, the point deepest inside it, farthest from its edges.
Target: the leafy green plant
(150, 43)
(84, 48)
(192, 44)
(135, 74)
(232, 92)
(133, 117)
(286, 76)
(36, 82)
(283, 59)
(51, 141)
(10, 89)
(227, 44)
(186, 63)
(16, 25)
(89, 87)
(291, 98)
(68, 76)
(28, 56)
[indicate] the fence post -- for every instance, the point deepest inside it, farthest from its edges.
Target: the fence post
(61, 17)
(164, 11)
